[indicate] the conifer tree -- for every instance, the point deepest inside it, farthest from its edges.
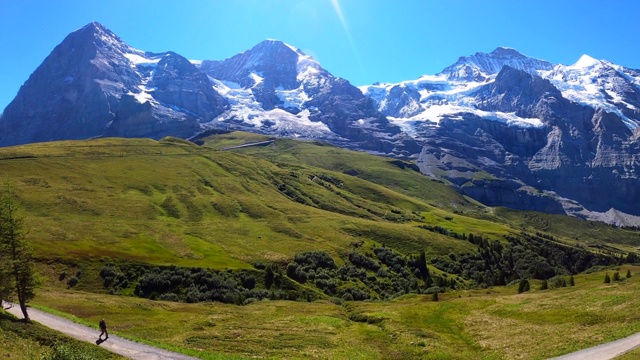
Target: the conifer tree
(16, 260)
(544, 285)
(628, 273)
(607, 279)
(572, 282)
(616, 276)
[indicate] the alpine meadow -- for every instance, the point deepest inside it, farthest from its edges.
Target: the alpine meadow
(300, 249)
(260, 206)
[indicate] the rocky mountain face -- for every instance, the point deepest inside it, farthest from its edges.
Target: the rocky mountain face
(275, 88)
(504, 128)
(93, 85)
(513, 131)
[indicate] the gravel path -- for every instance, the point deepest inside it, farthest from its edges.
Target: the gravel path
(605, 351)
(137, 351)
(116, 344)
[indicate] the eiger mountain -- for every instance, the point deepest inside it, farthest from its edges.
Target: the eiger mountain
(504, 128)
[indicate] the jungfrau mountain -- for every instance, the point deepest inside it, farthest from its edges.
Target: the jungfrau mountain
(513, 131)
(504, 128)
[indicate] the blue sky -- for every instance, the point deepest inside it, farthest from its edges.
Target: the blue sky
(363, 41)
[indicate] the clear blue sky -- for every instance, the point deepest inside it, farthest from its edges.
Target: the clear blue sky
(363, 41)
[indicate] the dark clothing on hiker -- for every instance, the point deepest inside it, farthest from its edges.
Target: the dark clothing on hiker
(103, 327)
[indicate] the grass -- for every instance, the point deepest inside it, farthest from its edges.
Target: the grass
(19, 340)
(494, 323)
(86, 203)
(172, 202)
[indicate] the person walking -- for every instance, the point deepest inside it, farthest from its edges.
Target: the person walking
(103, 328)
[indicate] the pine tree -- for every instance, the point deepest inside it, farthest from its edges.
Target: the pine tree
(523, 286)
(544, 285)
(616, 276)
(607, 279)
(628, 273)
(16, 260)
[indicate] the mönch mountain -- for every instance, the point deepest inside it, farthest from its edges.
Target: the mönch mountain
(503, 128)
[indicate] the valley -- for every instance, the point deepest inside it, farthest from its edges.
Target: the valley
(299, 249)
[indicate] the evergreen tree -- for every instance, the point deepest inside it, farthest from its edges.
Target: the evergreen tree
(544, 285)
(571, 281)
(616, 276)
(523, 286)
(16, 260)
(607, 279)
(628, 273)
(424, 269)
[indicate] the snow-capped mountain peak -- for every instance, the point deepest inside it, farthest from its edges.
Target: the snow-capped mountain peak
(586, 61)
(521, 120)
(481, 66)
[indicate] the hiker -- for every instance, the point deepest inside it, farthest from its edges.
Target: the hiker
(103, 327)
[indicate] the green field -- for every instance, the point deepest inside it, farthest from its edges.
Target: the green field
(169, 208)
(494, 323)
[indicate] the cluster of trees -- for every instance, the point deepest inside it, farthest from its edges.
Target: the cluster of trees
(199, 285)
(381, 273)
(616, 277)
(378, 274)
(18, 277)
(520, 257)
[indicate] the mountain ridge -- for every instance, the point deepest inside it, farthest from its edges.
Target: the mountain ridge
(502, 127)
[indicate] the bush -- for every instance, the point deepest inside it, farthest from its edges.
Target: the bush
(557, 281)
(523, 286)
(66, 351)
(249, 301)
(544, 285)
(607, 279)
(72, 282)
(616, 276)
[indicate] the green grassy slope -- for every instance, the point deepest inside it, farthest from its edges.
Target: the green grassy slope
(487, 324)
(28, 341)
(172, 202)
(397, 176)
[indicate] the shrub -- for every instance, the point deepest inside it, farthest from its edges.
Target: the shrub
(607, 279)
(66, 351)
(523, 286)
(544, 285)
(616, 276)
(558, 281)
(72, 282)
